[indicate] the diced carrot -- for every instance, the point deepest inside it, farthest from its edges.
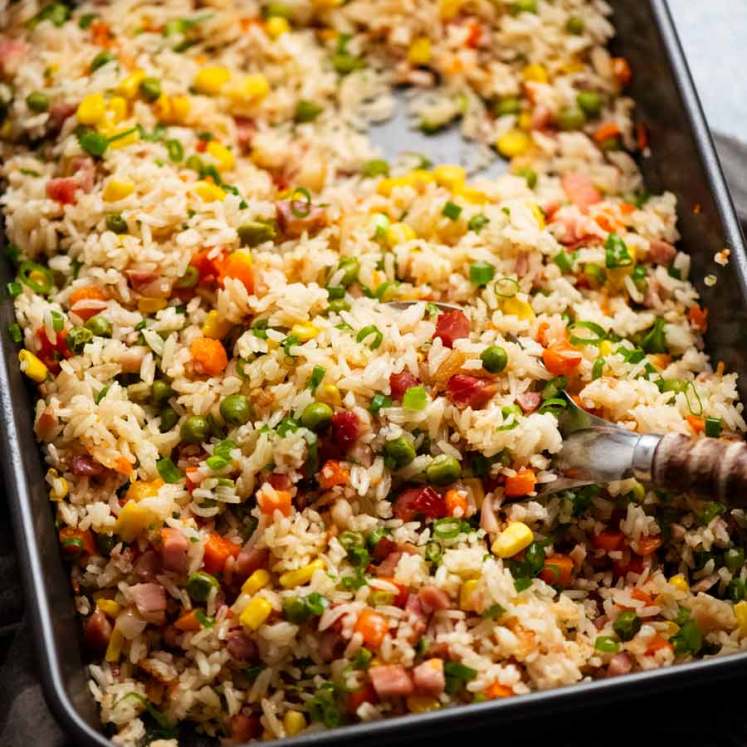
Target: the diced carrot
(608, 540)
(622, 71)
(656, 643)
(606, 131)
(496, 690)
(357, 698)
(86, 293)
(208, 356)
(557, 571)
(456, 503)
(239, 265)
(77, 538)
(648, 545)
(605, 222)
(626, 208)
(541, 336)
(188, 621)
(642, 596)
(696, 423)
(332, 474)
(474, 33)
(522, 483)
(641, 135)
(217, 551)
(372, 626)
(561, 359)
(123, 466)
(206, 265)
(698, 317)
(660, 360)
(279, 500)
(100, 33)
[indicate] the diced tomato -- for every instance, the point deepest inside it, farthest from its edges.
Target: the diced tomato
(561, 359)
(634, 565)
(62, 189)
(622, 71)
(345, 429)
(357, 698)
(608, 540)
(557, 571)
(399, 383)
(372, 626)
(469, 391)
(698, 317)
(451, 325)
(580, 190)
(648, 545)
(49, 354)
(76, 542)
(414, 501)
(207, 267)
(383, 548)
(217, 551)
(520, 484)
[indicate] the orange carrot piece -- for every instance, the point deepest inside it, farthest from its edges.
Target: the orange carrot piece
(557, 571)
(279, 500)
(332, 474)
(208, 356)
(522, 483)
(217, 551)
(372, 626)
(561, 359)
(188, 622)
(456, 503)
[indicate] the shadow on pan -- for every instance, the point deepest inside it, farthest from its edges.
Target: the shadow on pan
(683, 162)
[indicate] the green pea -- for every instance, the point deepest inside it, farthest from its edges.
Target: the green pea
(236, 409)
(195, 429)
(256, 232)
(443, 470)
(160, 391)
(345, 63)
(150, 89)
(626, 625)
(316, 416)
(590, 103)
(734, 558)
(93, 143)
(116, 223)
(571, 118)
(400, 451)
(351, 268)
(523, 6)
(99, 326)
(307, 111)
(200, 584)
(78, 337)
(508, 105)
(169, 418)
(101, 59)
(37, 101)
(494, 358)
(529, 174)
(338, 305)
(295, 610)
(575, 25)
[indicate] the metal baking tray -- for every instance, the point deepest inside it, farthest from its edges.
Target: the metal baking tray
(683, 161)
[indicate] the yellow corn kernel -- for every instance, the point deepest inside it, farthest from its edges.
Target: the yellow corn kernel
(525, 121)
(418, 178)
(399, 233)
(114, 649)
(91, 109)
(133, 520)
(255, 613)
(516, 537)
(115, 190)
(535, 73)
(449, 175)
(329, 394)
(605, 348)
(32, 366)
(108, 606)
(151, 305)
(513, 143)
(116, 109)
(290, 579)
(304, 331)
(211, 79)
(222, 155)
(422, 704)
(471, 194)
(667, 628)
(214, 326)
(740, 611)
(129, 86)
(294, 722)
(276, 26)
(180, 107)
(539, 216)
(419, 52)
(517, 307)
(143, 489)
(679, 582)
(326, 4)
(258, 580)
(58, 486)
(250, 89)
(209, 192)
(466, 595)
(448, 9)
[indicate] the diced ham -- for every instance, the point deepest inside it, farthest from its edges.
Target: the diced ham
(451, 326)
(246, 129)
(529, 401)
(399, 383)
(60, 111)
(62, 189)
(414, 501)
(345, 429)
(131, 359)
(84, 465)
(174, 548)
(391, 681)
(241, 647)
(308, 218)
(46, 425)
(383, 548)
(433, 599)
(150, 283)
(147, 566)
(331, 645)
(12, 52)
(541, 117)
(619, 664)
(84, 171)
(389, 564)
(150, 600)
(248, 561)
(521, 266)
(97, 632)
(428, 677)
(469, 391)
(662, 252)
(580, 190)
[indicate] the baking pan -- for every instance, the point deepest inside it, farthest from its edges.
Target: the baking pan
(683, 161)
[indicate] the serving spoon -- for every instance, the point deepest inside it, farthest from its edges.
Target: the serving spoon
(598, 451)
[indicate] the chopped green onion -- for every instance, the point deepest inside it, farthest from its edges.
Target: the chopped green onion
(168, 471)
(85, 21)
(713, 427)
(510, 415)
(14, 330)
(317, 375)
(594, 273)
(564, 261)
(616, 253)
(506, 287)
(371, 329)
(655, 339)
(599, 332)
(378, 402)
(694, 403)
(415, 398)
(307, 111)
(457, 675)
(481, 273)
(175, 150)
(14, 289)
(598, 368)
(451, 211)
(102, 58)
(494, 612)
(477, 222)
(447, 528)
(36, 276)
(375, 167)
(606, 645)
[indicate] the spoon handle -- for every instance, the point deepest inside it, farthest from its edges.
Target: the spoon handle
(709, 467)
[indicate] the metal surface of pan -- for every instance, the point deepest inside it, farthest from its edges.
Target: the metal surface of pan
(683, 161)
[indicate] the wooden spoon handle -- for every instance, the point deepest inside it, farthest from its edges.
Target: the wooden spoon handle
(711, 467)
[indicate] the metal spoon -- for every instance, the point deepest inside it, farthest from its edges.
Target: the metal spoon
(597, 451)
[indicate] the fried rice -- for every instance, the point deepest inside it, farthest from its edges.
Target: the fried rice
(287, 504)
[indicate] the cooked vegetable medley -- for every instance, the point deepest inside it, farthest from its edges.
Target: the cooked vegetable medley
(287, 505)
